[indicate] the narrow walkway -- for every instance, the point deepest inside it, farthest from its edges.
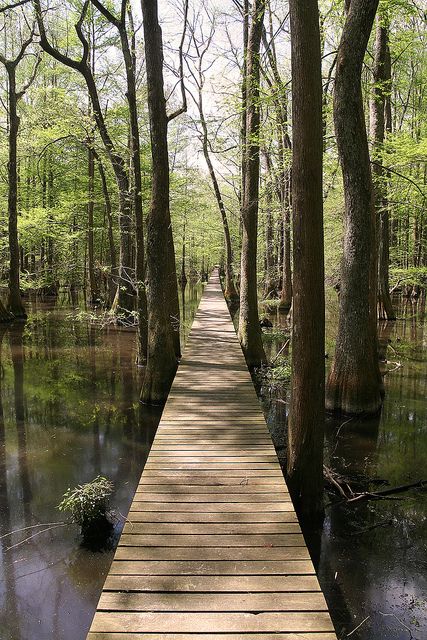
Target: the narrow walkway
(212, 549)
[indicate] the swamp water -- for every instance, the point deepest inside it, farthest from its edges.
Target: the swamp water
(69, 411)
(371, 556)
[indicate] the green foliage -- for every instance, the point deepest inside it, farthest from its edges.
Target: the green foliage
(412, 276)
(276, 374)
(276, 334)
(87, 503)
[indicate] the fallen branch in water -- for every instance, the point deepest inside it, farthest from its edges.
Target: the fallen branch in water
(336, 480)
(377, 495)
(32, 526)
(391, 615)
(358, 626)
(34, 535)
(382, 494)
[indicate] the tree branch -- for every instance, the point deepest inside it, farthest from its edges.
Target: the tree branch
(183, 107)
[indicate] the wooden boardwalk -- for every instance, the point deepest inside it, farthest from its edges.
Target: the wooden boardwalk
(212, 549)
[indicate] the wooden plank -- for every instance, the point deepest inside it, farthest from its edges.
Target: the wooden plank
(209, 483)
(247, 474)
(254, 540)
(216, 517)
(204, 623)
(234, 507)
(208, 584)
(208, 528)
(212, 602)
(258, 554)
(227, 496)
(219, 489)
(211, 568)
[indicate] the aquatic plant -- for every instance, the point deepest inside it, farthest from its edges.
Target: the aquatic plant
(88, 503)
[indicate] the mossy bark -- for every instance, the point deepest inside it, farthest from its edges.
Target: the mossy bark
(354, 383)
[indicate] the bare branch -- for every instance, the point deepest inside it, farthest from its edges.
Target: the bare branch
(14, 5)
(183, 107)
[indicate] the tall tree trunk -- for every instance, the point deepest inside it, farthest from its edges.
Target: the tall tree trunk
(14, 303)
(285, 172)
(306, 419)
(270, 262)
(382, 87)
(129, 56)
(111, 244)
(354, 383)
(230, 289)
(161, 361)
(249, 327)
(94, 295)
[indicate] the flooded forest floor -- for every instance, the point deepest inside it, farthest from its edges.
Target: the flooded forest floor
(371, 554)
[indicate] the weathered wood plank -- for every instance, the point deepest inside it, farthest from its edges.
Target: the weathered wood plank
(208, 584)
(213, 540)
(204, 623)
(210, 528)
(234, 507)
(212, 553)
(266, 517)
(211, 568)
(228, 497)
(212, 602)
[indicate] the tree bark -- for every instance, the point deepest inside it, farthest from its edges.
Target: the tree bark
(285, 172)
(382, 87)
(94, 295)
(14, 303)
(249, 327)
(354, 383)
(161, 360)
(306, 419)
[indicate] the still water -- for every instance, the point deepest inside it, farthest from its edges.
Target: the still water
(69, 411)
(372, 556)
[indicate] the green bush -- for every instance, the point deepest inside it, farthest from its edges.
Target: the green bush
(88, 503)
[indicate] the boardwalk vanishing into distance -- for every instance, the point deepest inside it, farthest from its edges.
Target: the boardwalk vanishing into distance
(212, 548)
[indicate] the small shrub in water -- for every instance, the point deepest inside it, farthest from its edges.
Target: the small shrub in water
(88, 504)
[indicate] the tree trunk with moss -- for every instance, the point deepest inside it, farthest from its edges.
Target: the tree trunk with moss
(249, 327)
(161, 360)
(354, 383)
(14, 302)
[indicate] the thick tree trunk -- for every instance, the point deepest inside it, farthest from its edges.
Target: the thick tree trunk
(306, 418)
(14, 303)
(382, 87)
(354, 384)
(161, 361)
(249, 327)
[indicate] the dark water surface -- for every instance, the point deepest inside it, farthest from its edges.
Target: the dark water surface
(69, 411)
(372, 556)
